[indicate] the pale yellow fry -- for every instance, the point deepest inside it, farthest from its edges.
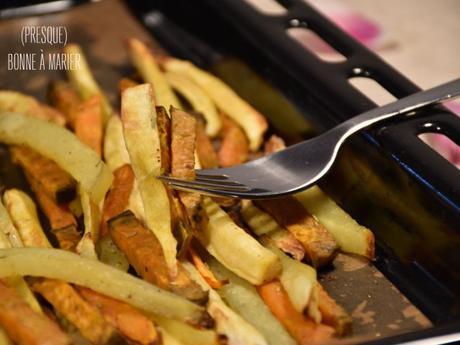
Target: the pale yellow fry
(91, 219)
(252, 122)
(115, 153)
(10, 236)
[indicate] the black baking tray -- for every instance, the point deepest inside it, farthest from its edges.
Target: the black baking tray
(386, 177)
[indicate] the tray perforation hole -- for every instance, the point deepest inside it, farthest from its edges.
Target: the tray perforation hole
(372, 90)
(433, 136)
(268, 7)
(313, 42)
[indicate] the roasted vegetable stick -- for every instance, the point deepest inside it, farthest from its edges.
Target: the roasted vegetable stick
(74, 308)
(242, 297)
(305, 331)
(7, 227)
(253, 123)
(4, 338)
(164, 133)
(24, 325)
(207, 156)
(92, 219)
(234, 147)
(65, 98)
(72, 268)
(223, 238)
(88, 123)
(204, 271)
(83, 81)
(143, 144)
(56, 182)
(333, 314)
(60, 145)
(126, 83)
(115, 153)
(145, 254)
(17, 102)
(131, 323)
(145, 63)
(320, 247)
(68, 237)
(274, 144)
(198, 99)
(351, 237)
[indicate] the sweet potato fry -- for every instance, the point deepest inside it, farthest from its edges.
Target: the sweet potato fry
(320, 247)
(145, 254)
(88, 123)
(131, 323)
(65, 98)
(54, 181)
(164, 133)
(24, 325)
(204, 148)
(333, 314)
(204, 271)
(304, 330)
(234, 149)
(74, 308)
(274, 144)
(68, 237)
(126, 83)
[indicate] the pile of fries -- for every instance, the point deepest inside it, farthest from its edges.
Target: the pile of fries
(123, 258)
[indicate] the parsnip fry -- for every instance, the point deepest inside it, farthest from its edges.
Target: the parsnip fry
(351, 237)
(126, 83)
(55, 181)
(145, 63)
(115, 153)
(131, 323)
(72, 268)
(7, 227)
(234, 148)
(88, 123)
(143, 144)
(60, 145)
(91, 217)
(65, 98)
(223, 238)
(83, 81)
(24, 325)
(304, 330)
(253, 123)
(333, 314)
(320, 247)
(244, 299)
(198, 99)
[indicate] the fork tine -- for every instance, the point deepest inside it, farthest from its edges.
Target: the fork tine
(199, 174)
(212, 185)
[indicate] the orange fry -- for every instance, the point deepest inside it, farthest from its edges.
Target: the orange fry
(204, 270)
(234, 149)
(88, 123)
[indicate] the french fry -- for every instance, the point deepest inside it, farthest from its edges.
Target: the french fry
(68, 237)
(333, 314)
(198, 99)
(207, 156)
(56, 182)
(261, 223)
(351, 237)
(164, 133)
(17, 102)
(204, 271)
(222, 238)
(74, 308)
(145, 254)
(234, 147)
(320, 247)
(126, 83)
(304, 330)
(11, 236)
(146, 65)
(64, 97)
(143, 144)
(92, 219)
(243, 298)
(60, 145)
(115, 153)
(274, 144)
(252, 122)
(83, 81)
(24, 325)
(73, 268)
(168, 339)
(4, 338)
(88, 123)
(131, 323)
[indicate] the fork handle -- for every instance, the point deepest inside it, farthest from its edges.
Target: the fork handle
(418, 100)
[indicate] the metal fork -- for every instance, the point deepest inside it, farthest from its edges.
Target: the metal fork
(300, 166)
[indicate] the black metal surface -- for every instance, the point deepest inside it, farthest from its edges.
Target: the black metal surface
(387, 177)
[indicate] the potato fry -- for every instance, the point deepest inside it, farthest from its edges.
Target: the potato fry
(131, 323)
(146, 65)
(164, 133)
(304, 330)
(223, 238)
(320, 247)
(115, 152)
(126, 83)
(7, 227)
(4, 338)
(83, 81)
(60, 145)
(351, 237)
(92, 219)
(16, 102)
(333, 314)
(234, 149)
(243, 298)
(74, 308)
(88, 123)
(73, 268)
(64, 97)
(198, 99)
(252, 122)
(56, 182)
(207, 156)
(24, 325)
(143, 144)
